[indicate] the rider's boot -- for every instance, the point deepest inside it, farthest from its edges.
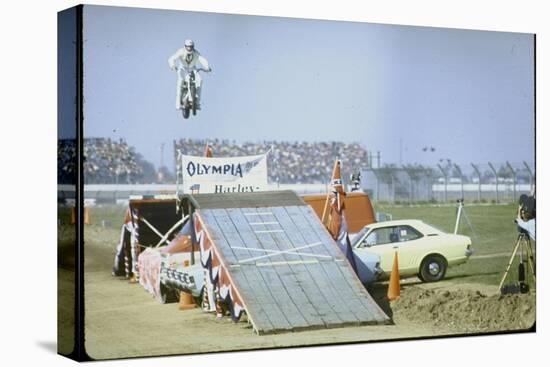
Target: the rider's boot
(198, 98)
(178, 100)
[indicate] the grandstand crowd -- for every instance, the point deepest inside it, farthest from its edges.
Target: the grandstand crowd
(106, 161)
(66, 161)
(110, 161)
(288, 162)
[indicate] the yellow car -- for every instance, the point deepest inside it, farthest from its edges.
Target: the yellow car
(423, 250)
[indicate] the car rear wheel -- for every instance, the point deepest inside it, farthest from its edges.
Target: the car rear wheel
(433, 268)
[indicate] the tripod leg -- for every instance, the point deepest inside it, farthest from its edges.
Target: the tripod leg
(458, 215)
(469, 224)
(531, 258)
(509, 263)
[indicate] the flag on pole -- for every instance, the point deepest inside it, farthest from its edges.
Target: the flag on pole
(195, 189)
(337, 225)
(208, 151)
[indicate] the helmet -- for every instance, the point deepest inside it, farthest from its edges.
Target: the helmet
(189, 45)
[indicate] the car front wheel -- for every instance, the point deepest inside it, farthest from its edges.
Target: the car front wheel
(433, 268)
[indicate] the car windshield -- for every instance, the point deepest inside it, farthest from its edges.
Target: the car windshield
(359, 235)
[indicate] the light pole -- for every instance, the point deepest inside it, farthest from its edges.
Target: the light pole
(161, 155)
(496, 180)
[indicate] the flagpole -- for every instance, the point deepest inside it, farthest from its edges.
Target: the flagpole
(323, 218)
(274, 160)
(178, 173)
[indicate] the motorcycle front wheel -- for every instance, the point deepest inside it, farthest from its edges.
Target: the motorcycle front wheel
(185, 112)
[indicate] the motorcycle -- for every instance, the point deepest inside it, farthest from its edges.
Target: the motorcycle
(189, 92)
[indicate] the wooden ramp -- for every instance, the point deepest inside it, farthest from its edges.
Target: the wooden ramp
(286, 269)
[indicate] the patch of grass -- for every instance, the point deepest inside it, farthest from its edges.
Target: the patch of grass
(494, 233)
(111, 213)
(109, 235)
(486, 271)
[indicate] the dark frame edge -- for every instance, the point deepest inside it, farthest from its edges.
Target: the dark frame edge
(79, 350)
(80, 347)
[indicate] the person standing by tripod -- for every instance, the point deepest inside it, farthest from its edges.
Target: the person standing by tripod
(527, 215)
(526, 226)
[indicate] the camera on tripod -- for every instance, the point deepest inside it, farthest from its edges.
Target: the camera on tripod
(526, 215)
(527, 207)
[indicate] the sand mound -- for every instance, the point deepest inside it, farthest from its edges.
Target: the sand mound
(464, 310)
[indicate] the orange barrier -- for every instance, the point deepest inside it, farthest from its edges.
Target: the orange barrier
(358, 213)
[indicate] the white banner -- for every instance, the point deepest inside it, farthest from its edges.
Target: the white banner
(221, 175)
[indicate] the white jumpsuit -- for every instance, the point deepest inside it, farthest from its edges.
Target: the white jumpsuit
(188, 61)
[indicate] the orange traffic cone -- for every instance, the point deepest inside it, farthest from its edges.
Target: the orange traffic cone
(393, 289)
(186, 299)
(86, 215)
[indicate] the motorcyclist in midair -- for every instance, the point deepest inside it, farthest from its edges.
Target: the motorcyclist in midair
(189, 59)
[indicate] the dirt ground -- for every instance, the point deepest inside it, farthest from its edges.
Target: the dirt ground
(123, 320)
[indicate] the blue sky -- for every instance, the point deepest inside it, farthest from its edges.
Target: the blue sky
(395, 89)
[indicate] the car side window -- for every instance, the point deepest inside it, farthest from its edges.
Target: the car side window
(408, 233)
(381, 236)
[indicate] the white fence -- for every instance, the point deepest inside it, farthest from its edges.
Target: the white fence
(503, 182)
(110, 193)
(401, 188)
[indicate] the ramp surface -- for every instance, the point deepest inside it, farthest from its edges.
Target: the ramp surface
(288, 272)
